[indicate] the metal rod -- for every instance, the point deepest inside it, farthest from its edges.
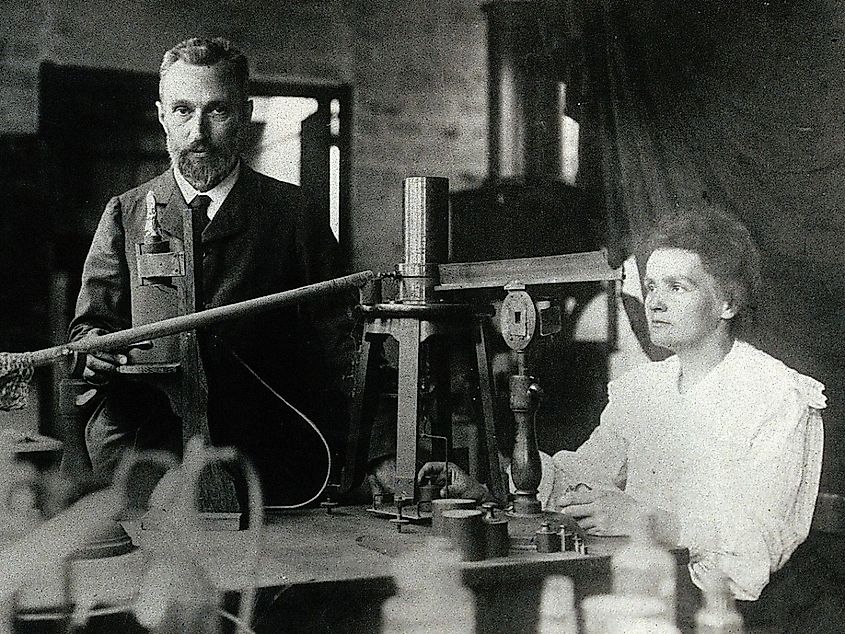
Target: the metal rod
(446, 458)
(183, 323)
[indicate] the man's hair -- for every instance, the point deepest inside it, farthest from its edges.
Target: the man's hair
(726, 249)
(201, 51)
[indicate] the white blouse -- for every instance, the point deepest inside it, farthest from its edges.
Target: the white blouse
(737, 458)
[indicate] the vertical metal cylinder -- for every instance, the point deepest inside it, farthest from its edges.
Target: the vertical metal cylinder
(438, 507)
(428, 493)
(425, 231)
(154, 298)
(425, 220)
(546, 539)
(465, 529)
(497, 540)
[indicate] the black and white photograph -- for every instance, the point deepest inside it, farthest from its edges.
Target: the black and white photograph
(404, 317)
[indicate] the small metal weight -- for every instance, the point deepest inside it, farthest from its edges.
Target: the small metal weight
(496, 538)
(578, 544)
(428, 492)
(566, 539)
(546, 539)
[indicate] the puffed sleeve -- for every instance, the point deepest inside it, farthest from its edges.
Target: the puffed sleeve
(600, 461)
(750, 504)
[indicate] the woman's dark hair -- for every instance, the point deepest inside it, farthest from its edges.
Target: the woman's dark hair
(726, 249)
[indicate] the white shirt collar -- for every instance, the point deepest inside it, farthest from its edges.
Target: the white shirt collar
(218, 193)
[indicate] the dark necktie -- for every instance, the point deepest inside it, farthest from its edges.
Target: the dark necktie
(199, 216)
(199, 208)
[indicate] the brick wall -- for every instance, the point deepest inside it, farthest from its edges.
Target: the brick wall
(422, 112)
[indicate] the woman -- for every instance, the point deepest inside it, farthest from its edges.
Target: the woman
(720, 441)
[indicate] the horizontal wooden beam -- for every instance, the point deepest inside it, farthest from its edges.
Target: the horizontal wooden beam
(590, 266)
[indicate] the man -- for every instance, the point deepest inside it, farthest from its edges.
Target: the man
(720, 442)
(261, 238)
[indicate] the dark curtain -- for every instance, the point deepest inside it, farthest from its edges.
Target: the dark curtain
(739, 104)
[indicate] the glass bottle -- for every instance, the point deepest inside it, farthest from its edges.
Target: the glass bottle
(644, 567)
(430, 596)
(557, 607)
(718, 615)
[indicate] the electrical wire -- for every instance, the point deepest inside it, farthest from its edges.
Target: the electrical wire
(240, 623)
(242, 627)
(307, 420)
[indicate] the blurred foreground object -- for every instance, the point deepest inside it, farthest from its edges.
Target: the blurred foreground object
(175, 591)
(644, 568)
(430, 596)
(718, 615)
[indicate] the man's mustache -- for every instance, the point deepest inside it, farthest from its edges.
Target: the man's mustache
(201, 147)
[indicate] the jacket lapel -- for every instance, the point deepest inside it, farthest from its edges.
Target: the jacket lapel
(230, 218)
(170, 203)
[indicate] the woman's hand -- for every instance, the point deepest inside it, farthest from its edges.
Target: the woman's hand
(601, 511)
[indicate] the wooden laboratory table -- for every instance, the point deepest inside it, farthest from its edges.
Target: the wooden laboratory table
(322, 572)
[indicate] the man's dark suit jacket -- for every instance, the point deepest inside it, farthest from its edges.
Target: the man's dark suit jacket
(264, 239)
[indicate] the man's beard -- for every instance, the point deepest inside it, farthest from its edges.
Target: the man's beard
(203, 172)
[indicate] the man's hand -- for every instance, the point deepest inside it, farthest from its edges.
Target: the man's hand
(382, 476)
(100, 367)
(460, 485)
(602, 511)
